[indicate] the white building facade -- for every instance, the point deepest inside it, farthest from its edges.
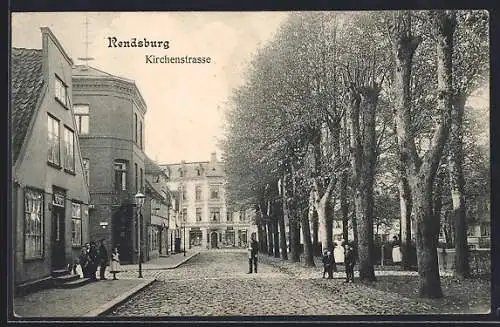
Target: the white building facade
(205, 219)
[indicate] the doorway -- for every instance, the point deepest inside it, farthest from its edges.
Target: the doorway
(58, 239)
(213, 240)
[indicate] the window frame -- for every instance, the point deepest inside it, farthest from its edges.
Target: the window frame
(80, 117)
(135, 127)
(199, 214)
(76, 218)
(140, 135)
(198, 193)
(65, 101)
(123, 175)
(214, 210)
(51, 120)
(212, 188)
(41, 234)
(86, 170)
(69, 131)
(184, 214)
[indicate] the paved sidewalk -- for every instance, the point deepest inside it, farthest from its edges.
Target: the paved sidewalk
(162, 263)
(90, 300)
(298, 270)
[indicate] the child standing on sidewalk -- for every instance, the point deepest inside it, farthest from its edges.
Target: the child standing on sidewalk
(115, 263)
(325, 263)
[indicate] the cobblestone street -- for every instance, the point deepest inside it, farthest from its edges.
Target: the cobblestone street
(215, 283)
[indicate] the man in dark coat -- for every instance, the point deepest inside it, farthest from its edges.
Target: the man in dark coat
(103, 259)
(84, 260)
(253, 251)
(349, 261)
(94, 261)
(331, 264)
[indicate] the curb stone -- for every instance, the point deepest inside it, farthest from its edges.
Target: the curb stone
(118, 300)
(168, 267)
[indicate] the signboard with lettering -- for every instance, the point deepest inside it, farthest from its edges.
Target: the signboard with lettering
(58, 199)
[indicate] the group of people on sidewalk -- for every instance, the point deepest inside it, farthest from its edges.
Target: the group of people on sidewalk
(92, 258)
(329, 265)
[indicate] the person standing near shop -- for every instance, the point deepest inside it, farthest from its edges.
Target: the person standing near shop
(94, 261)
(103, 259)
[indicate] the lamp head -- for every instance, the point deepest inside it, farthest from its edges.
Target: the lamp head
(139, 199)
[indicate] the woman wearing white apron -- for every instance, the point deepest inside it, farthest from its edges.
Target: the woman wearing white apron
(115, 263)
(396, 251)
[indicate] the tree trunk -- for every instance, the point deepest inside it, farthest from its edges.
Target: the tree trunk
(294, 240)
(405, 45)
(344, 206)
(262, 237)
(457, 184)
(315, 227)
(355, 151)
(284, 219)
(306, 234)
(421, 172)
(295, 222)
(427, 260)
(265, 248)
(282, 229)
(269, 236)
(355, 230)
(369, 99)
(405, 222)
(276, 236)
(326, 223)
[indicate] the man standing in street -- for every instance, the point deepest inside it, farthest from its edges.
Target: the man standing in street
(94, 257)
(253, 250)
(103, 259)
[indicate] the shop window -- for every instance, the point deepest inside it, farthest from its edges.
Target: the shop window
(33, 224)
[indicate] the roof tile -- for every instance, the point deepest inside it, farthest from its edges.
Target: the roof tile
(26, 90)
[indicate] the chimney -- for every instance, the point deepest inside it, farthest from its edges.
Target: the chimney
(213, 157)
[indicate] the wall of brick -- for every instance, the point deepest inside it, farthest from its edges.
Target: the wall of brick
(110, 138)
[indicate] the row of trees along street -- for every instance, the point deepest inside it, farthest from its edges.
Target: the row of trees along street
(367, 110)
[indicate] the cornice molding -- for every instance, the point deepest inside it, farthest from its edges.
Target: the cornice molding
(110, 83)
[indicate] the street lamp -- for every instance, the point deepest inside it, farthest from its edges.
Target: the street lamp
(139, 201)
(184, 226)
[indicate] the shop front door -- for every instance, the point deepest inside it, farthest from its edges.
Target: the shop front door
(213, 240)
(58, 232)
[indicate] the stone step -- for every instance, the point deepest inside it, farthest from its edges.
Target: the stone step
(66, 278)
(60, 272)
(75, 283)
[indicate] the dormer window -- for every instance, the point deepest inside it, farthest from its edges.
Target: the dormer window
(181, 172)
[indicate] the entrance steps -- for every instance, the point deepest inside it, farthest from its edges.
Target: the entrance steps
(64, 279)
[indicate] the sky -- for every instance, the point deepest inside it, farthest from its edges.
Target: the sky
(185, 103)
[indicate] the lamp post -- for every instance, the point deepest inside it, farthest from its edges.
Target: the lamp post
(139, 200)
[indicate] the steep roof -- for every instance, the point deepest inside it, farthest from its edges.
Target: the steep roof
(27, 83)
(151, 167)
(156, 190)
